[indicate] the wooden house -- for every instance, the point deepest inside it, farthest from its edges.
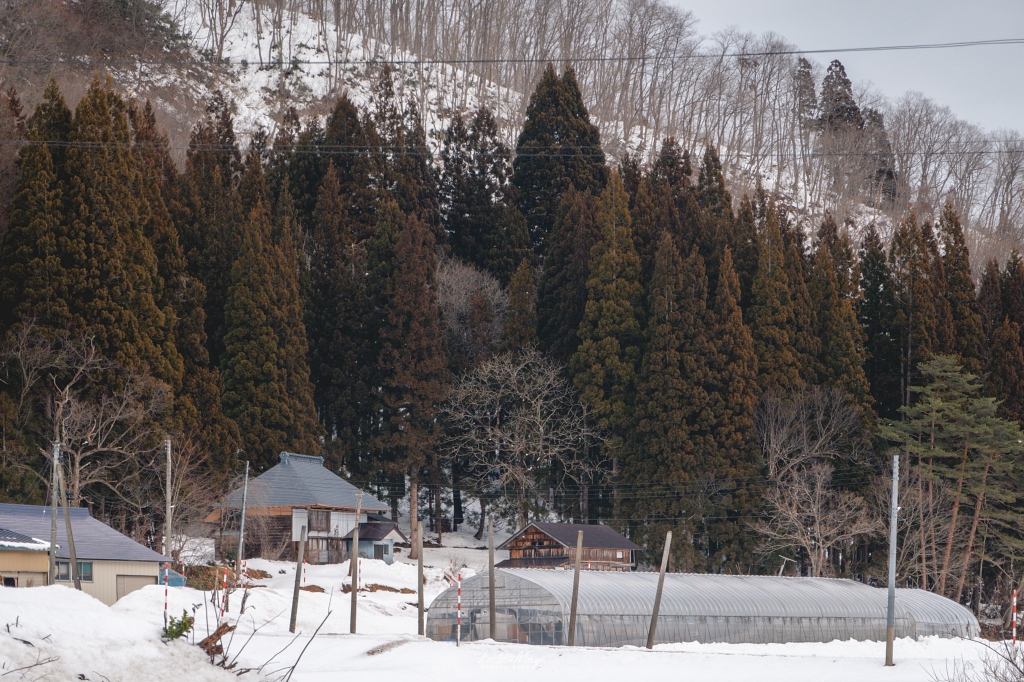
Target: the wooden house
(298, 491)
(377, 539)
(553, 545)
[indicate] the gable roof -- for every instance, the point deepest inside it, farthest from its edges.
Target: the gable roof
(376, 530)
(595, 536)
(93, 538)
(302, 481)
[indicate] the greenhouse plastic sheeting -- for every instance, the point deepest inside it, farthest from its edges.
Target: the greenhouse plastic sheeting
(532, 607)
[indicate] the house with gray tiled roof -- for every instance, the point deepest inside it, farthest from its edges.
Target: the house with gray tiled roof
(298, 491)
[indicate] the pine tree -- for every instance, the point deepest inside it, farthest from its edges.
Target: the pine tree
(734, 397)
(520, 329)
(266, 386)
(990, 300)
(839, 110)
(562, 292)
(841, 360)
(876, 314)
(914, 320)
(673, 422)
(771, 313)
(960, 292)
(413, 360)
(716, 212)
(558, 147)
(604, 366)
(1004, 379)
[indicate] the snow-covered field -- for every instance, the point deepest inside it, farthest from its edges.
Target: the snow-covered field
(122, 643)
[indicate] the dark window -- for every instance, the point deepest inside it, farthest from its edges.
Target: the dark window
(378, 552)
(319, 520)
(84, 571)
(10, 582)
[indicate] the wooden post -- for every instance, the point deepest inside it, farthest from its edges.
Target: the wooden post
(575, 589)
(419, 575)
(67, 524)
(890, 618)
(241, 527)
(53, 513)
(298, 579)
(490, 574)
(353, 560)
(657, 596)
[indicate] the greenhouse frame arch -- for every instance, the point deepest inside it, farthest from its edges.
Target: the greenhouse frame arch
(614, 609)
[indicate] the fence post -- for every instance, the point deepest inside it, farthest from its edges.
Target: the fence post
(298, 579)
(661, 585)
(490, 570)
(575, 589)
(419, 573)
(353, 560)
(241, 526)
(458, 621)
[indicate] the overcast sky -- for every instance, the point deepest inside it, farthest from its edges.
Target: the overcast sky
(984, 85)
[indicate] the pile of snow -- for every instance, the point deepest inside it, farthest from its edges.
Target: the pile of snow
(58, 633)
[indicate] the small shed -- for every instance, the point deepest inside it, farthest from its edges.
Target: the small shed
(614, 609)
(110, 564)
(553, 545)
(297, 491)
(376, 540)
(24, 561)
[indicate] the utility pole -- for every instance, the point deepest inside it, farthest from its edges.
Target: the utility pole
(490, 583)
(241, 527)
(67, 522)
(890, 618)
(354, 565)
(575, 590)
(298, 580)
(53, 513)
(419, 570)
(661, 585)
(169, 508)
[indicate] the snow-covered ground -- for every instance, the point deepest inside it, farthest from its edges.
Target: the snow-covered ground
(122, 643)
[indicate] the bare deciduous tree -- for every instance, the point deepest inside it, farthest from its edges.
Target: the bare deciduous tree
(520, 427)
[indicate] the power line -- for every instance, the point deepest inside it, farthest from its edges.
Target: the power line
(544, 60)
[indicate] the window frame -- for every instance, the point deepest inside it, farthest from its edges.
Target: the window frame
(64, 571)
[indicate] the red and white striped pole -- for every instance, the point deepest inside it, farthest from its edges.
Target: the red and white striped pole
(458, 627)
(224, 593)
(167, 575)
(1015, 617)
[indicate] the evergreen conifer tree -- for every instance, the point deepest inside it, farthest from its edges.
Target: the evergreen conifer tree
(914, 320)
(944, 339)
(807, 341)
(746, 249)
(839, 110)
(1004, 379)
(1011, 285)
(562, 292)
(876, 314)
(771, 312)
(990, 300)
(960, 292)
(520, 329)
(557, 147)
(716, 212)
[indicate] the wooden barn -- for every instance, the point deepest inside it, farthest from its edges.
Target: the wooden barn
(298, 491)
(553, 545)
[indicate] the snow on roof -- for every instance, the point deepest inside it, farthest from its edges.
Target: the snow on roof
(302, 481)
(93, 538)
(11, 540)
(377, 530)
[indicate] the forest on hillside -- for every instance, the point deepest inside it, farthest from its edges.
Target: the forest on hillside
(537, 329)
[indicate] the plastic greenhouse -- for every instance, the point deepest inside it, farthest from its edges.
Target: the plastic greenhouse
(614, 609)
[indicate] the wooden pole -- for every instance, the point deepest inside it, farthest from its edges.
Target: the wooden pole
(241, 527)
(53, 513)
(575, 589)
(419, 575)
(493, 619)
(67, 524)
(298, 579)
(890, 617)
(353, 560)
(657, 596)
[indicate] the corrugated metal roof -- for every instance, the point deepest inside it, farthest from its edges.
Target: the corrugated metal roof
(376, 530)
(302, 481)
(595, 536)
(8, 538)
(93, 538)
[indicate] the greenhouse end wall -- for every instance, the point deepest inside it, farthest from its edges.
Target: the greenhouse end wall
(532, 607)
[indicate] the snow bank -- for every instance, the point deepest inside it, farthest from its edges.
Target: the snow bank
(72, 636)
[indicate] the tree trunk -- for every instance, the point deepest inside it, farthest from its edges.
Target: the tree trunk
(483, 519)
(973, 533)
(952, 521)
(920, 526)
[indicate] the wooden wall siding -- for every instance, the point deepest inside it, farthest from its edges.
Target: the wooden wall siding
(12, 560)
(534, 544)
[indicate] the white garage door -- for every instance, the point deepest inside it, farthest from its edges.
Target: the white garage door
(127, 584)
